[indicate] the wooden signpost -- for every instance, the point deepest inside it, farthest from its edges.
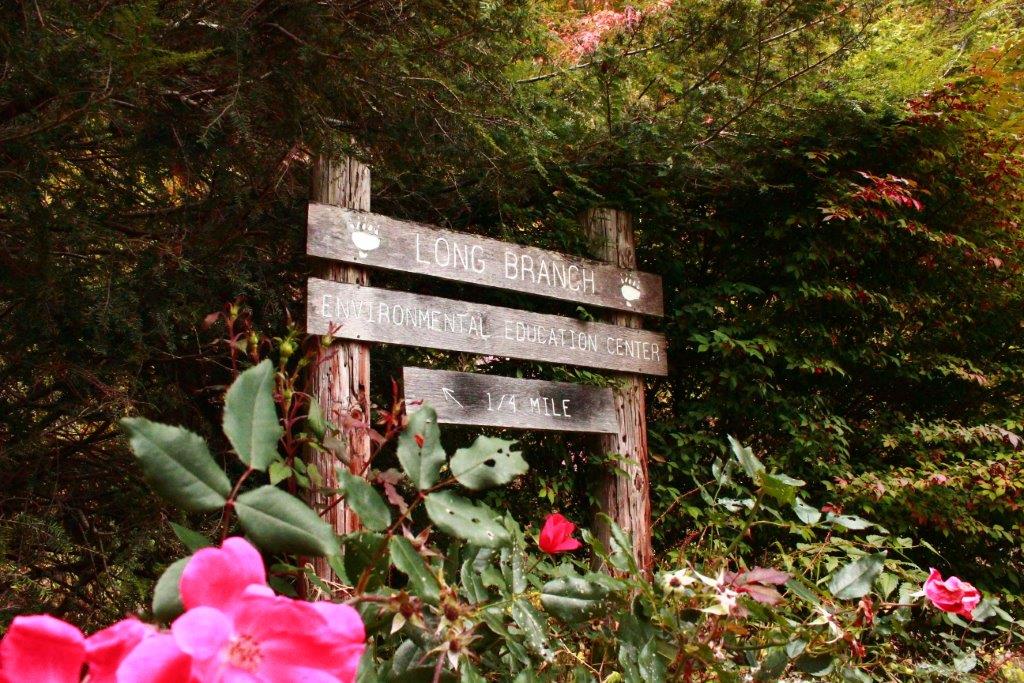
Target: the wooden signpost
(381, 315)
(346, 234)
(467, 399)
(377, 241)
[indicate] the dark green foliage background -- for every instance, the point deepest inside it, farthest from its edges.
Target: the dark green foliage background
(154, 164)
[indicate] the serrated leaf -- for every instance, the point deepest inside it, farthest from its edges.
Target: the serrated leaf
(360, 495)
(279, 472)
(250, 416)
(193, 540)
(167, 593)
(177, 464)
(474, 522)
(887, 584)
(419, 448)
(488, 462)
(854, 580)
(572, 598)
(279, 522)
(748, 461)
(422, 581)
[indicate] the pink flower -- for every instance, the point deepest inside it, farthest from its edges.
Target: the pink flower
(105, 650)
(156, 660)
(42, 649)
(951, 595)
(271, 639)
(556, 536)
(217, 577)
(45, 649)
(235, 630)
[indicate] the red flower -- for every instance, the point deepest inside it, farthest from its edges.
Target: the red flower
(44, 649)
(556, 536)
(951, 595)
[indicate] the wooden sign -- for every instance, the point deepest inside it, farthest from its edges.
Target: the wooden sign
(467, 399)
(379, 315)
(369, 239)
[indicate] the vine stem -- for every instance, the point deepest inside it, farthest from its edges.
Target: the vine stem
(746, 526)
(229, 504)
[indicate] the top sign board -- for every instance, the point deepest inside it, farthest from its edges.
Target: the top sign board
(377, 241)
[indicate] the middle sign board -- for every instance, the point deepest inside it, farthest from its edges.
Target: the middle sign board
(378, 315)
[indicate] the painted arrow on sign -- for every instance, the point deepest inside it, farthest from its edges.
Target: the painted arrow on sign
(449, 395)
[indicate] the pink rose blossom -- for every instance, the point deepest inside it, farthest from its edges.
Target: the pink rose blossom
(951, 595)
(556, 536)
(235, 630)
(105, 650)
(42, 649)
(217, 577)
(156, 660)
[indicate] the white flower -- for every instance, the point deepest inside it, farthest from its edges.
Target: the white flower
(677, 581)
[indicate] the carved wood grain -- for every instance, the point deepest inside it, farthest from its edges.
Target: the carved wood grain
(341, 381)
(623, 493)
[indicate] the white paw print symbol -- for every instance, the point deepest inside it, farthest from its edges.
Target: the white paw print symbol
(365, 236)
(630, 290)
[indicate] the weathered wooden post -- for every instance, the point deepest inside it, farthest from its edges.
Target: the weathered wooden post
(341, 382)
(623, 494)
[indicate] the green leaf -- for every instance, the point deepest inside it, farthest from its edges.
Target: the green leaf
(279, 472)
(193, 540)
(167, 593)
(422, 581)
(805, 513)
(488, 462)
(315, 419)
(772, 665)
(421, 462)
(748, 461)
(360, 495)
(851, 522)
(474, 522)
(366, 551)
(781, 487)
(250, 416)
(279, 522)
(854, 580)
(177, 464)
(572, 598)
(534, 627)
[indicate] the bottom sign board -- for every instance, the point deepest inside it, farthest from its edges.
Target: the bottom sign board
(468, 399)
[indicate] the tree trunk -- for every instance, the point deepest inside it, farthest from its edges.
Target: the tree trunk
(623, 495)
(341, 381)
